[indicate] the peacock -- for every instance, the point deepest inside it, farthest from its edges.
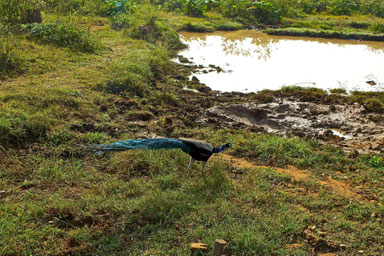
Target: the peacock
(197, 149)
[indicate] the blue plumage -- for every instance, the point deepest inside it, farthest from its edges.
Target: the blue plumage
(198, 150)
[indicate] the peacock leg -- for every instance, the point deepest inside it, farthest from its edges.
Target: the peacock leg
(202, 167)
(190, 163)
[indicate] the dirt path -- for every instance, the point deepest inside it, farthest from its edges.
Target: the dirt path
(335, 186)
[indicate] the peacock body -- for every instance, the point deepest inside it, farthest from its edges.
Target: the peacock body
(198, 150)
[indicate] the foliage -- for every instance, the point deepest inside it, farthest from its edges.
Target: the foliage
(265, 12)
(137, 72)
(62, 35)
(15, 11)
(342, 7)
(119, 6)
(377, 27)
(376, 161)
(195, 7)
(374, 7)
(143, 24)
(10, 63)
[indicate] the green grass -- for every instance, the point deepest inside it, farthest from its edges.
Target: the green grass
(328, 26)
(56, 199)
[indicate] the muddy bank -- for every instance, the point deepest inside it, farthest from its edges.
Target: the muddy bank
(345, 125)
(331, 118)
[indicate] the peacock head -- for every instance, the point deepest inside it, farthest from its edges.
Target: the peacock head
(228, 145)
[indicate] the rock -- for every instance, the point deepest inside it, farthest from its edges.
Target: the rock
(33, 16)
(183, 59)
(88, 127)
(195, 80)
(198, 247)
(219, 247)
(144, 116)
(204, 89)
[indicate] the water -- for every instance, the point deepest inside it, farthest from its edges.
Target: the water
(254, 61)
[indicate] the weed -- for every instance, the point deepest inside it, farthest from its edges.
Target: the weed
(376, 161)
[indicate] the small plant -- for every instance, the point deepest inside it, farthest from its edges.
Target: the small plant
(62, 35)
(376, 161)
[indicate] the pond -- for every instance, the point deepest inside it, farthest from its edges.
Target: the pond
(252, 61)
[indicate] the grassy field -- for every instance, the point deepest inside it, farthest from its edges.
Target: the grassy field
(79, 81)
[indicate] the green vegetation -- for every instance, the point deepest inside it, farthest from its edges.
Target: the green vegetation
(10, 63)
(97, 71)
(64, 35)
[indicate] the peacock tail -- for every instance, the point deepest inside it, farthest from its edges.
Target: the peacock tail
(157, 143)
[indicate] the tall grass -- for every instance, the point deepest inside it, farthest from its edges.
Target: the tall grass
(10, 62)
(62, 35)
(137, 73)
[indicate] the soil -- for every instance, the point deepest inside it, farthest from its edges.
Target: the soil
(338, 123)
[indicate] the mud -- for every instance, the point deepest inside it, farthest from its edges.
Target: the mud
(348, 126)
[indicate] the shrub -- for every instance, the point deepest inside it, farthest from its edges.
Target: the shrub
(377, 27)
(374, 7)
(265, 12)
(137, 72)
(62, 35)
(10, 63)
(118, 6)
(96, 7)
(143, 24)
(19, 127)
(195, 7)
(342, 7)
(16, 11)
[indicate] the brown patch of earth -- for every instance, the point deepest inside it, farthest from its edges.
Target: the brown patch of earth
(293, 246)
(348, 126)
(95, 27)
(339, 187)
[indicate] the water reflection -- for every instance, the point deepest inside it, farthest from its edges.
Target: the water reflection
(243, 43)
(260, 61)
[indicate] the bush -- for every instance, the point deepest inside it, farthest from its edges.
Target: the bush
(374, 7)
(342, 7)
(19, 127)
(62, 35)
(377, 27)
(195, 7)
(137, 73)
(10, 64)
(17, 11)
(96, 7)
(265, 12)
(143, 24)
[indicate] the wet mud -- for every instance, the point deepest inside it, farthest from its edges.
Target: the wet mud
(348, 126)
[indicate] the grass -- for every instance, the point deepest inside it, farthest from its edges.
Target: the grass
(357, 27)
(56, 199)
